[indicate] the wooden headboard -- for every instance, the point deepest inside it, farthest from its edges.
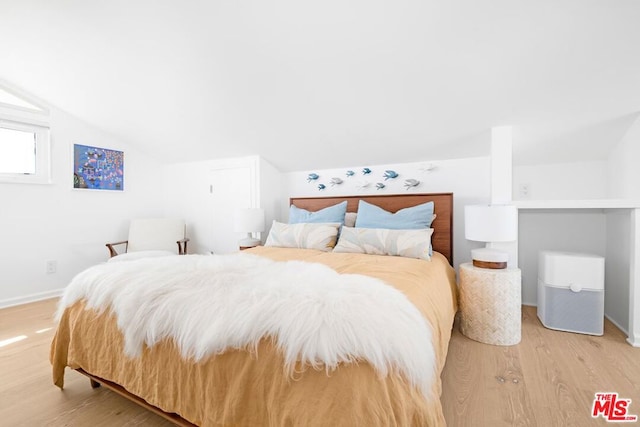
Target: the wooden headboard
(442, 239)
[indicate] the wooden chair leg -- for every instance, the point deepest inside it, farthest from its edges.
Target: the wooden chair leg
(94, 383)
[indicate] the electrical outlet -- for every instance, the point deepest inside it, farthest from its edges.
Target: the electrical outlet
(52, 266)
(524, 191)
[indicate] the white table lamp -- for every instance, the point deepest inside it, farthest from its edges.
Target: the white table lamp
(249, 220)
(490, 223)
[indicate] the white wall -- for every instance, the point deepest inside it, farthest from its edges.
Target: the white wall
(617, 268)
(189, 193)
(272, 194)
(468, 180)
(568, 181)
(617, 177)
(622, 168)
(54, 222)
(190, 189)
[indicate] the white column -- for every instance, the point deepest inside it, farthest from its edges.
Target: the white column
(502, 181)
(501, 165)
(634, 280)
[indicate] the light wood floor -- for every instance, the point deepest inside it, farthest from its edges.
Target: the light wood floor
(549, 379)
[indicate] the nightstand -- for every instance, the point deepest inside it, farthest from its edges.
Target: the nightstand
(490, 304)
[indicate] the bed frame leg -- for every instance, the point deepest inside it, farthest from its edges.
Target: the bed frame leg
(94, 383)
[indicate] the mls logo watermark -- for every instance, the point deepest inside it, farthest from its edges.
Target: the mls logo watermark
(612, 408)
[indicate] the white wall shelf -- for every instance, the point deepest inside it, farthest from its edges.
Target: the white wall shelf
(578, 204)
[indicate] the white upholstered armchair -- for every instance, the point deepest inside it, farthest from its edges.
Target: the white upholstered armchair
(153, 237)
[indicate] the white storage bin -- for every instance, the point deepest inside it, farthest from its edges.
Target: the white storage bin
(571, 292)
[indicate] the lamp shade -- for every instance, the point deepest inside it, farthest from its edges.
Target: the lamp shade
(249, 220)
(491, 223)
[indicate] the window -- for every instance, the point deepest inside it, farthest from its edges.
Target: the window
(24, 153)
(17, 152)
(24, 141)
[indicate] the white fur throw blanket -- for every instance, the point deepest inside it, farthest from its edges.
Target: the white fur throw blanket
(210, 303)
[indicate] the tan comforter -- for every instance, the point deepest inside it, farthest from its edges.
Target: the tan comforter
(240, 389)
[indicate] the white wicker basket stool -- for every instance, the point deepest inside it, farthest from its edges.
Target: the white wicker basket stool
(490, 304)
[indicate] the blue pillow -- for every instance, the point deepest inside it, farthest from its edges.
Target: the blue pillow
(416, 217)
(331, 214)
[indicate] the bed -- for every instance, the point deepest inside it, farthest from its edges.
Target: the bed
(247, 385)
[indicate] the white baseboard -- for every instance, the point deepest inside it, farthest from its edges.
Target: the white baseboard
(25, 299)
(634, 341)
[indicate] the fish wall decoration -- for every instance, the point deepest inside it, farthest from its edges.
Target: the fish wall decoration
(427, 167)
(312, 177)
(389, 174)
(380, 186)
(350, 173)
(336, 181)
(321, 187)
(366, 171)
(411, 183)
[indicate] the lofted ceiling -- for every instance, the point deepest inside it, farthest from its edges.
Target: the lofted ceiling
(334, 83)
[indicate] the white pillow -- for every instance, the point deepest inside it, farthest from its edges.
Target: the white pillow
(320, 236)
(350, 219)
(382, 241)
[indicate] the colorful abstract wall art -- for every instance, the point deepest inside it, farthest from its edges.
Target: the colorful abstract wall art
(97, 168)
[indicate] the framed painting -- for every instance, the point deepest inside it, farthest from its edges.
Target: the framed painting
(96, 168)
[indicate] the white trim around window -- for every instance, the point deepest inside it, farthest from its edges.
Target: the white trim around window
(42, 154)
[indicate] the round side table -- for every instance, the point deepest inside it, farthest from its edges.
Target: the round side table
(490, 304)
